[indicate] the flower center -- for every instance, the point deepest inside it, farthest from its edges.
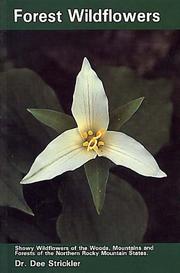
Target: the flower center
(93, 140)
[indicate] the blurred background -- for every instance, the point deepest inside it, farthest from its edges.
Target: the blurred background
(56, 56)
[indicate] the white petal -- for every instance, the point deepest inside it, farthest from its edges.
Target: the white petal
(63, 154)
(90, 104)
(126, 151)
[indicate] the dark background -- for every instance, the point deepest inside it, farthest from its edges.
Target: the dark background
(56, 56)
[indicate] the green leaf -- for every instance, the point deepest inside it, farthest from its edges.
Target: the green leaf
(123, 218)
(97, 172)
(59, 121)
(123, 113)
(21, 89)
(22, 137)
(11, 194)
(25, 137)
(151, 124)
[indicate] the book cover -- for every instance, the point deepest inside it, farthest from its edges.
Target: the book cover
(89, 136)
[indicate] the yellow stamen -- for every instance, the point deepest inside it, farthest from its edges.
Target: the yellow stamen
(100, 133)
(84, 135)
(100, 143)
(85, 144)
(90, 133)
(93, 140)
(92, 144)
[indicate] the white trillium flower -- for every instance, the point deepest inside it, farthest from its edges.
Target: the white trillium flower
(90, 139)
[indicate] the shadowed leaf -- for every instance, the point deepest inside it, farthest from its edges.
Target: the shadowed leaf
(21, 231)
(123, 218)
(25, 137)
(22, 137)
(11, 194)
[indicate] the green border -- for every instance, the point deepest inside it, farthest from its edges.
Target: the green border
(164, 259)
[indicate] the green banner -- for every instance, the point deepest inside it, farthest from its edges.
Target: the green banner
(69, 14)
(157, 258)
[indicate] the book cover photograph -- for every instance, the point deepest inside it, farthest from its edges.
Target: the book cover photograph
(89, 137)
